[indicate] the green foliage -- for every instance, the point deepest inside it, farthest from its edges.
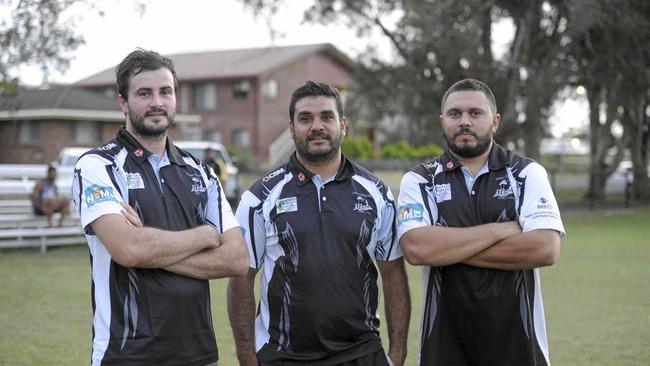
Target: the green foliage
(357, 148)
(404, 151)
(243, 159)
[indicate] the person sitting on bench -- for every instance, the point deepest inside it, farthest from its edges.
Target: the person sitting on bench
(46, 200)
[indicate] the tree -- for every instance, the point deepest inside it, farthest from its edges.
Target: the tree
(35, 33)
(439, 42)
(609, 51)
(39, 32)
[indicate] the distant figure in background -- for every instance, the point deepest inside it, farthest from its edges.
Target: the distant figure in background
(211, 159)
(46, 200)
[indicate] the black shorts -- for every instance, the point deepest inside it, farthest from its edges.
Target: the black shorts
(378, 358)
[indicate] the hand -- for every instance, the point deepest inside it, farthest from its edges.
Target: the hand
(395, 359)
(248, 359)
(130, 215)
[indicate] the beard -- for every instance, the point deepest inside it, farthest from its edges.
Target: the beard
(483, 143)
(151, 131)
(318, 155)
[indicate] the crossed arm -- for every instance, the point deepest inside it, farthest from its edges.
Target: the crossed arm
(500, 245)
(199, 252)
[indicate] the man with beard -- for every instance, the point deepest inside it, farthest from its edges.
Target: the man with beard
(316, 226)
(158, 227)
(480, 220)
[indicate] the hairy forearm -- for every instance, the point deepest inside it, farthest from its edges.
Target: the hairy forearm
(440, 246)
(536, 248)
(397, 305)
(241, 312)
(229, 259)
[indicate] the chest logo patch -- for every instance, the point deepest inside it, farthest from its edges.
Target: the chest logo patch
(134, 181)
(96, 194)
(289, 204)
(410, 212)
(442, 192)
(361, 205)
(503, 191)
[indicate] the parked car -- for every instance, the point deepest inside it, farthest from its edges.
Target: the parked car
(68, 157)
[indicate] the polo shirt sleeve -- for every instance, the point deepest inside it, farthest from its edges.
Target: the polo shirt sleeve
(218, 210)
(251, 218)
(94, 193)
(387, 247)
(539, 208)
(414, 208)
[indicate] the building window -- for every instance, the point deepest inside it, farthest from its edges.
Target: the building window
(28, 132)
(213, 136)
(241, 138)
(204, 97)
(86, 132)
(240, 89)
(270, 89)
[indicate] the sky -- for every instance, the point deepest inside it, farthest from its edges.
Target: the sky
(171, 26)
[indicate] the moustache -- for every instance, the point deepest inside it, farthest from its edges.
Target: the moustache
(319, 134)
(156, 112)
(465, 130)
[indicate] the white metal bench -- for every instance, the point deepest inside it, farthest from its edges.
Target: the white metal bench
(41, 237)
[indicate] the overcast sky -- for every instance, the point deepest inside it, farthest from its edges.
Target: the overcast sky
(171, 26)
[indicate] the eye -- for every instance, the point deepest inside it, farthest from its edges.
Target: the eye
(453, 114)
(143, 93)
(477, 113)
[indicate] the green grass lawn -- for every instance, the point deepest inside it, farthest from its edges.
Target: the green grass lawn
(597, 299)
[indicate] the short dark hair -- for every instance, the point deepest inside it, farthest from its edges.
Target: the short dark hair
(473, 85)
(138, 61)
(314, 89)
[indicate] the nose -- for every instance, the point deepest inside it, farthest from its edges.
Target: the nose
(156, 100)
(464, 119)
(318, 124)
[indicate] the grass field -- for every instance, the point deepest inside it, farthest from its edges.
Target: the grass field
(597, 299)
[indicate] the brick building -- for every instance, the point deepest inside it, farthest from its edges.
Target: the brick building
(35, 124)
(243, 95)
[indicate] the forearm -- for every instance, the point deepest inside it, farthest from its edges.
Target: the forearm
(536, 248)
(397, 306)
(241, 312)
(144, 247)
(229, 259)
(440, 246)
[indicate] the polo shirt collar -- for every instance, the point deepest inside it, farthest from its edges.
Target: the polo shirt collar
(304, 176)
(497, 159)
(140, 154)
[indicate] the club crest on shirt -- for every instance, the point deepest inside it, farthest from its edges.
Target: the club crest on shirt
(442, 192)
(134, 181)
(289, 204)
(361, 205)
(410, 212)
(96, 194)
(503, 191)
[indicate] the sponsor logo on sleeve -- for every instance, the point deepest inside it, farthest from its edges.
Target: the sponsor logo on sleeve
(289, 204)
(410, 212)
(544, 204)
(134, 181)
(108, 146)
(272, 175)
(442, 192)
(96, 194)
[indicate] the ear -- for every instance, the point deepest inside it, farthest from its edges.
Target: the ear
(291, 129)
(124, 105)
(495, 122)
(344, 125)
